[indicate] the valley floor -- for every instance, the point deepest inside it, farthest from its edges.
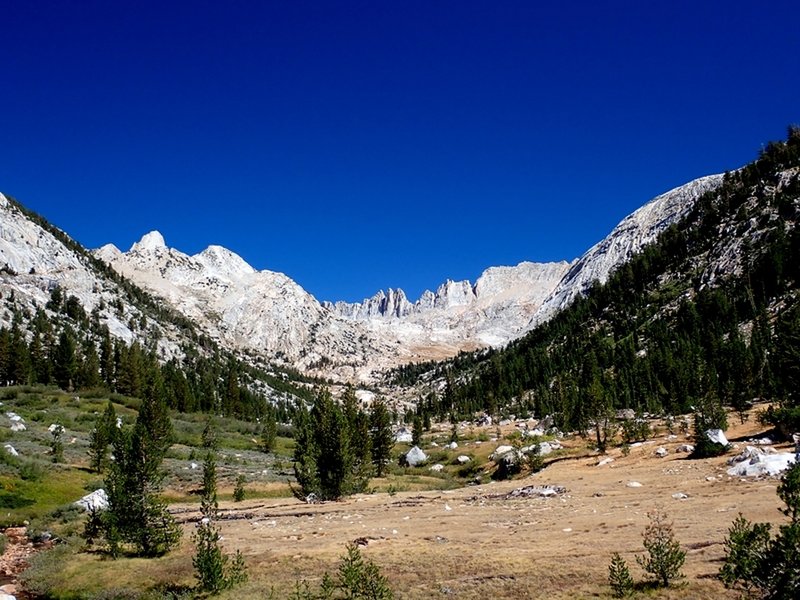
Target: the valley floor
(476, 542)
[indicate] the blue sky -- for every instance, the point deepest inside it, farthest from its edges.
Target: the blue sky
(360, 145)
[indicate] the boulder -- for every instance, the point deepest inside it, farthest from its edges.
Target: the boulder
(501, 451)
(626, 414)
(97, 500)
(463, 459)
(661, 452)
(437, 468)
(452, 445)
(605, 461)
(749, 453)
(685, 448)
(763, 464)
(11, 450)
(415, 456)
(546, 448)
(403, 436)
(717, 436)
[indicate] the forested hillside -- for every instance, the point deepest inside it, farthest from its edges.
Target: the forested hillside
(709, 311)
(117, 336)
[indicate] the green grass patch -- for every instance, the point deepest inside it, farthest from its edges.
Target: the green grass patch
(54, 489)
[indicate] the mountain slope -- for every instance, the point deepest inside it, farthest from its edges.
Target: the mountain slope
(709, 312)
(635, 231)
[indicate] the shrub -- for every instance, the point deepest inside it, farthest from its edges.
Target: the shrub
(769, 566)
(664, 557)
(619, 577)
(238, 490)
(746, 549)
(356, 579)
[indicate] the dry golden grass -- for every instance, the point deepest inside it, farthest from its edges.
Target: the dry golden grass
(474, 543)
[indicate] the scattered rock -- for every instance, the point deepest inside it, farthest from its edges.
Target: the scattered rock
(415, 456)
(19, 426)
(437, 468)
(626, 414)
(765, 441)
(537, 491)
(403, 436)
(605, 461)
(680, 496)
(634, 484)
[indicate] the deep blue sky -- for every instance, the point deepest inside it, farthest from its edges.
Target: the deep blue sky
(361, 145)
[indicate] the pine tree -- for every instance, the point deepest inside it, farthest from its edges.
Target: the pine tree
(664, 557)
(65, 364)
(269, 432)
(214, 570)
(107, 358)
(416, 431)
(136, 515)
(324, 458)
(57, 442)
(619, 577)
(89, 372)
(358, 434)
(381, 436)
(102, 436)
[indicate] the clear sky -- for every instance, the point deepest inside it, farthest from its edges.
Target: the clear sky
(364, 145)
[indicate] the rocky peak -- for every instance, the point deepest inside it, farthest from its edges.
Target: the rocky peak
(224, 262)
(150, 242)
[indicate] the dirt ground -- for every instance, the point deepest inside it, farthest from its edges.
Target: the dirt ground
(476, 542)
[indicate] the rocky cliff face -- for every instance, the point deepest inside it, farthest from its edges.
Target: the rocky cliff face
(258, 311)
(459, 314)
(635, 231)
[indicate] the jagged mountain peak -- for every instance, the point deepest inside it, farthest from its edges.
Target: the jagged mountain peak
(223, 261)
(150, 242)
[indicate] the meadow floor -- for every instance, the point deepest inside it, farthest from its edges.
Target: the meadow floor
(477, 543)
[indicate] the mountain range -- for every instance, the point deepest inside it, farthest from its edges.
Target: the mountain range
(266, 313)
